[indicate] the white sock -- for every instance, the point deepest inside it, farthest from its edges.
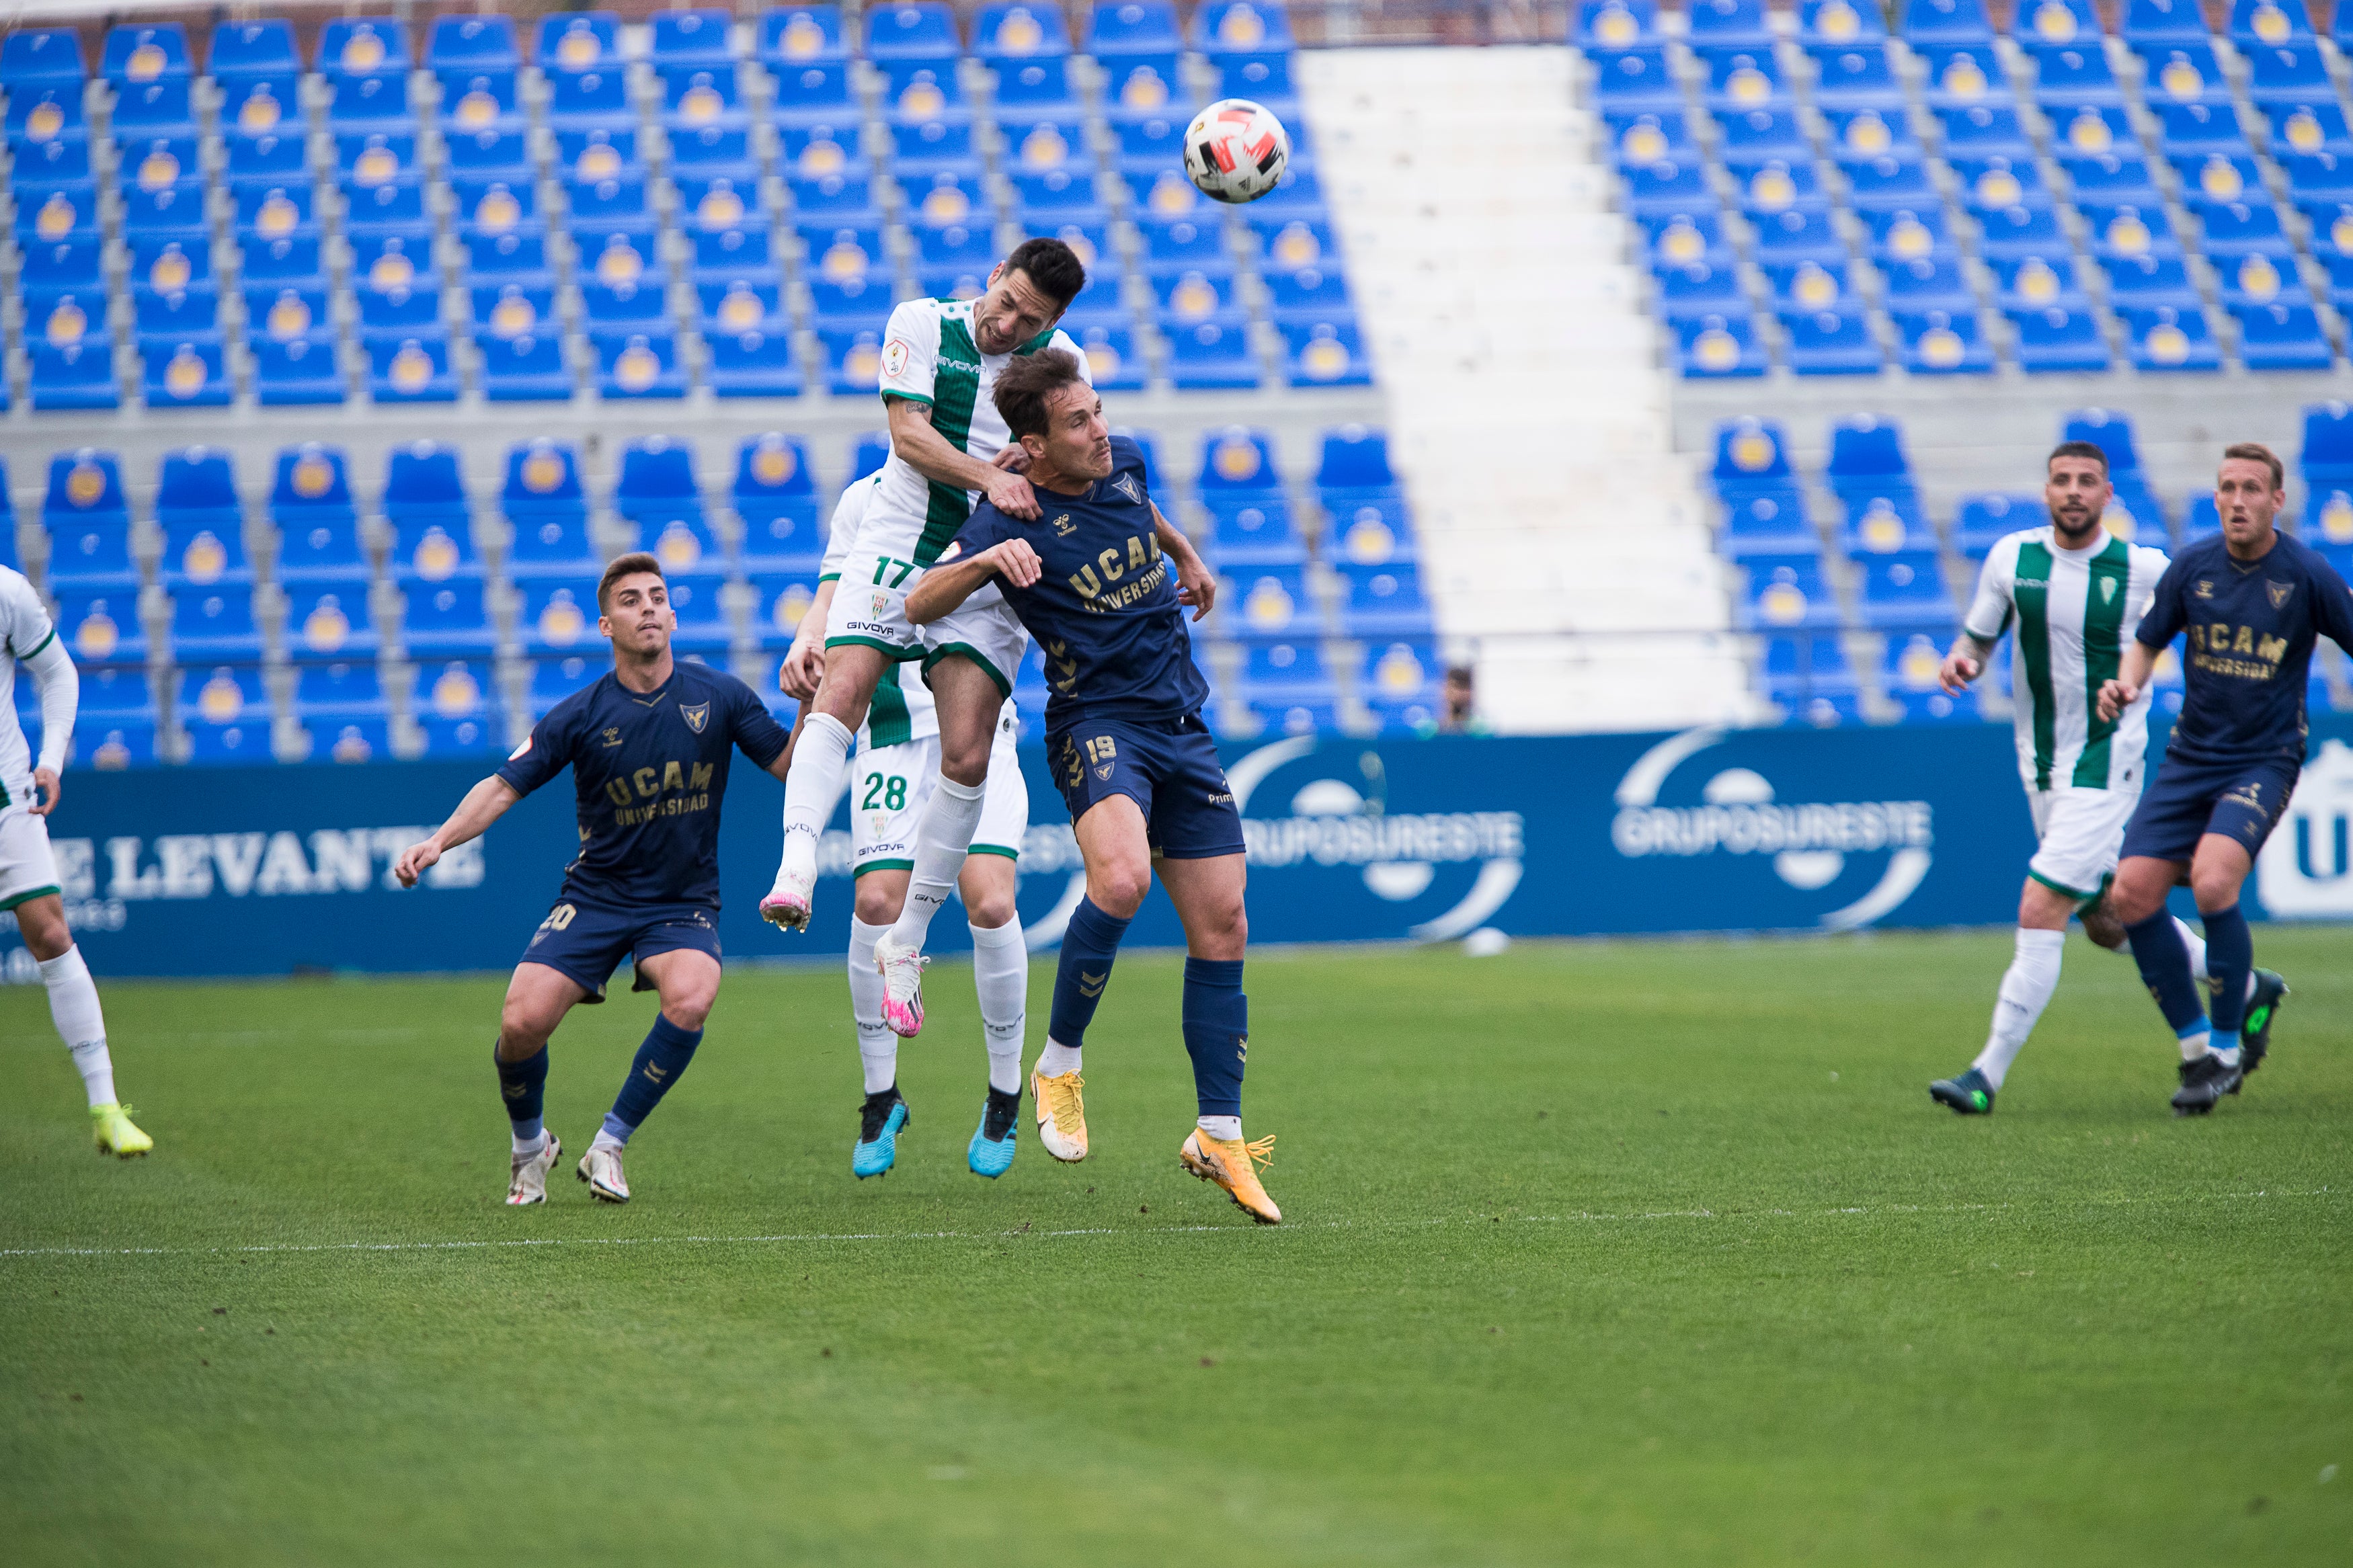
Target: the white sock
(1224, 1127)
(2026, 988)
(813, 785)
(82, 1024)
(878, 1047)
(2193, 1044)
(2197, 946)
(1000, 973)
(942, 841)
(1057, 1058)
(528, 1146)
(604, 1139)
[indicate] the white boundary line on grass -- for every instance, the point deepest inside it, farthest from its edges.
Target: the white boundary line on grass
(819, 1239)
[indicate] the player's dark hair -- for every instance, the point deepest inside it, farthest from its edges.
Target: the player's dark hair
(2090, 450)
(1054, 268)
(2256, 452)
(620, 566)
(1024, 386)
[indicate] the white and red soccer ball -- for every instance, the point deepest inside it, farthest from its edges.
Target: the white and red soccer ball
(1235, 151)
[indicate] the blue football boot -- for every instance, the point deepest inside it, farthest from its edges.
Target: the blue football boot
(1967, 1093)
(880, 1121)
(991, 1153)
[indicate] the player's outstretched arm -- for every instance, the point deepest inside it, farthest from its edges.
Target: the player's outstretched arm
(1196, 584)
(804, 666)
(946, 587)
(60, 684)
(926, 451)
(484, 804)
(1964, 664)
(2121, 693)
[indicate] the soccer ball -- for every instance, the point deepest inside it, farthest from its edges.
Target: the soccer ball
(1235, 151)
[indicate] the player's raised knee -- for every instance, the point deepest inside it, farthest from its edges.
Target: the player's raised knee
(1118, 886)
(989, 909)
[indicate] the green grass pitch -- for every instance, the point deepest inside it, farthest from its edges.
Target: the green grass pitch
(1639, 1253)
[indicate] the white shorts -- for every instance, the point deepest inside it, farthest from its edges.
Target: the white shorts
(869, 609)
(870, 606)
(27, 869)
(889, 787)
(2082, 831)
(984, 628)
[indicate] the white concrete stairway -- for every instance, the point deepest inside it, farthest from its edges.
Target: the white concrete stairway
(1528, 418)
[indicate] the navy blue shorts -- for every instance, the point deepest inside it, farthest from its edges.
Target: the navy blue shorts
(1169, 768)
(587, 942)
(2242, 801)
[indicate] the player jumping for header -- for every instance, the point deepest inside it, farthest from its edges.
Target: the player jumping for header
(2076, 593)
(1123, 734)
(2253, 601)
(30, 791)
(649, 745)
(940, 359)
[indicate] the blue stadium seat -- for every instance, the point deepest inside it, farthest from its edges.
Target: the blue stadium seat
(1770, 185)
(476, 100)
(813, 94)
(1798, 234)
(63, 215)
(608, 206)
(1700, 290)
(1823, 22)
(1255, 529)
(1727, 24)
(2291, 73)
(457, 708)
(541, 498)
(2106, 179)
(294, 261)
(2229, 177)
(1636, 140)
(1983, 129)
(1635, 78)
(2058, 338)
(1382, 601)
(445, 616)
(295, 372)
(699, 601)
(1962, 75)
(1868, 132)
(699, 98)
(1925, 283)
(2074, 73)
(2255, 24)
(185, 376)
(311, 502)
(2301, 128)
(2234, 228)
(1945, 21)
(411, 370)
(76, 320)
(2326, 454)
(585, 99)
(553, 680)
(1803, 667)
(479, 42)
(2169, 338)
(1212, 354)
(1719, 346)
(330, 620)
(2153, 22)
(790, 37)
(44, 112)
(692, 38)
(1607, 24)
(2035, 281)
(853, 360)
(159, 108)
(1115, 363)
(1980, 520)
(78, 375)
(1751, 454)
(2282, 337)
(361, 102)
(638, 365)
(2109, 429)
(261, 120)
(1903, 234)
(775, 500)
(2186, 128)
(1904, 588)
(1886, 520)
(214, 621)
(100, 625)
(1855, 77)
(1811, 286)
(1187, 299)
(1681, 238)
(68, 266)
(341, 706)
(2147, 282)
(1786, 591)
(2202, 519)
(1284, 672)
(1831, 342)
(2185, 72)
(1399, 683)
(557, 617)
(2129, 229)
(1324, 353)
(226, 714)
(1744, 79)
(1766, 522)
(757, 363)
(1889, 181)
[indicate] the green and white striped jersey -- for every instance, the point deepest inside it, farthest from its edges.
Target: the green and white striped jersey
(928, 357)
(2074, 610)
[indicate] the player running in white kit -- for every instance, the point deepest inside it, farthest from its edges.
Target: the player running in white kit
(893, 775)
(30, 791)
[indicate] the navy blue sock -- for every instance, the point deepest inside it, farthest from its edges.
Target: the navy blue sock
(524, 1086)
(2229, 957)
(2164, 961)
(661, 1060)
(1217, 1032)
(1088, 948)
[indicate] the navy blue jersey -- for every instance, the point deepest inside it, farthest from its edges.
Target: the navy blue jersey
(1104, 609)
(2252, 625)
(650, 770)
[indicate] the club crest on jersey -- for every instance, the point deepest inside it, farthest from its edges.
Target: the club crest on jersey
(696, 717)
(1064, 527)
(1103, 772)
(881, 603)
(2107, 589)
(1126, 485)
(2279, 593)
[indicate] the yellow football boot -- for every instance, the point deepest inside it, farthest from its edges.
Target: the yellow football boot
(112, 1130)
(1062, 1115)
(1234, 1165)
